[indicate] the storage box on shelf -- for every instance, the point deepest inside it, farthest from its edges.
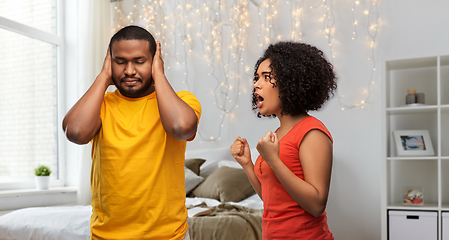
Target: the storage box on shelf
(445, 225)
(412, 225)
(445, 185)
(428, 75)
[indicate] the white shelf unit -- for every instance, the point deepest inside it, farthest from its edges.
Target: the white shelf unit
(429, 75)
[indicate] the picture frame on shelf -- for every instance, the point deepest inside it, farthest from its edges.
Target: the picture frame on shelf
(413, 143)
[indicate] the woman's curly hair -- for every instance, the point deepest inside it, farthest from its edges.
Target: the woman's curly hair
(306, 80)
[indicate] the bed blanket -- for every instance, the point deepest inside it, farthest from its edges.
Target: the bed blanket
(226, 222)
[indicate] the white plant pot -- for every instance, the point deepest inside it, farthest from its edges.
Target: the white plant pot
(42, 182)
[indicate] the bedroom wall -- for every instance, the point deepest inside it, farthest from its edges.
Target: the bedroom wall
(354, 201)
(407, 28)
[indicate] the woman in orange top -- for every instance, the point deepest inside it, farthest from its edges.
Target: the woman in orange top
(293, 172)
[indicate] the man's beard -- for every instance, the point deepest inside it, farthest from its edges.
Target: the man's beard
(133, 92)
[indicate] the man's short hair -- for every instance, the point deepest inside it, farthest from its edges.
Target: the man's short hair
(134, 33)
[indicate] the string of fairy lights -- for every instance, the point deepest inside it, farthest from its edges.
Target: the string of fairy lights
(373, 26)
(176, 24)
(296, 16)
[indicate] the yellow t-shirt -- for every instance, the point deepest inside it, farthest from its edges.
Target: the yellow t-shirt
(137, 178)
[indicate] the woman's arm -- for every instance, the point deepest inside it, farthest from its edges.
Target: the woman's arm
(315, 153)
(242, 154)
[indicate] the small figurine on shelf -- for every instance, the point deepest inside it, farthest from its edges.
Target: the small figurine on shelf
(414, 197)
(420, 98)
(413, 97)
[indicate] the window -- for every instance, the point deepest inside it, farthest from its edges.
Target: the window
(30, 66)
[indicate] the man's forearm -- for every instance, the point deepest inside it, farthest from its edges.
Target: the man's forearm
(177, 117)
(83, 121)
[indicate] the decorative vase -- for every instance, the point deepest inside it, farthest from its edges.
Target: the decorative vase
(42, 182)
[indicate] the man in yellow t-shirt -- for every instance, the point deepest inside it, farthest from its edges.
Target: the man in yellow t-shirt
(138, 134)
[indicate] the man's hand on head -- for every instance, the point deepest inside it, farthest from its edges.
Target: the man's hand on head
(158, 63)
(106, 70)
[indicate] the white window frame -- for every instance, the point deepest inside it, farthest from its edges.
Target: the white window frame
(57, 40)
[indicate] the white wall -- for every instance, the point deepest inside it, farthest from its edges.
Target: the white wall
(415, 29)
(354, 202)
(407, 28)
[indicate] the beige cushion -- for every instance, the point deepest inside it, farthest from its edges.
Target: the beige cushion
(194, 164)
(226, 185)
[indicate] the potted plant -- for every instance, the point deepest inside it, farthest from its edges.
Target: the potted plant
(42, 175)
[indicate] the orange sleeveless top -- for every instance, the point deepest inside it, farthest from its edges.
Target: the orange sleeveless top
(282, 217)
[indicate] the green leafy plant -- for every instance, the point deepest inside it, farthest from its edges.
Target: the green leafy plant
(42, 170)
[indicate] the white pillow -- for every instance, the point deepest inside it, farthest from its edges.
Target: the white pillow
(229, 163)
(50, 223)
(212, 156)
(192, 180)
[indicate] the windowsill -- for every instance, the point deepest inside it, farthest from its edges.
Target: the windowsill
(24, 198)
(27, 192)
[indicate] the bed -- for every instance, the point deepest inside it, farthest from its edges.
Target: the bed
(220, 200)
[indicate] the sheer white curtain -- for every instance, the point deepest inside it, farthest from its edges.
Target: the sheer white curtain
(94, 32)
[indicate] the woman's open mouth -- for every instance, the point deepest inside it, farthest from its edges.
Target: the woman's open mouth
(259, 100)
